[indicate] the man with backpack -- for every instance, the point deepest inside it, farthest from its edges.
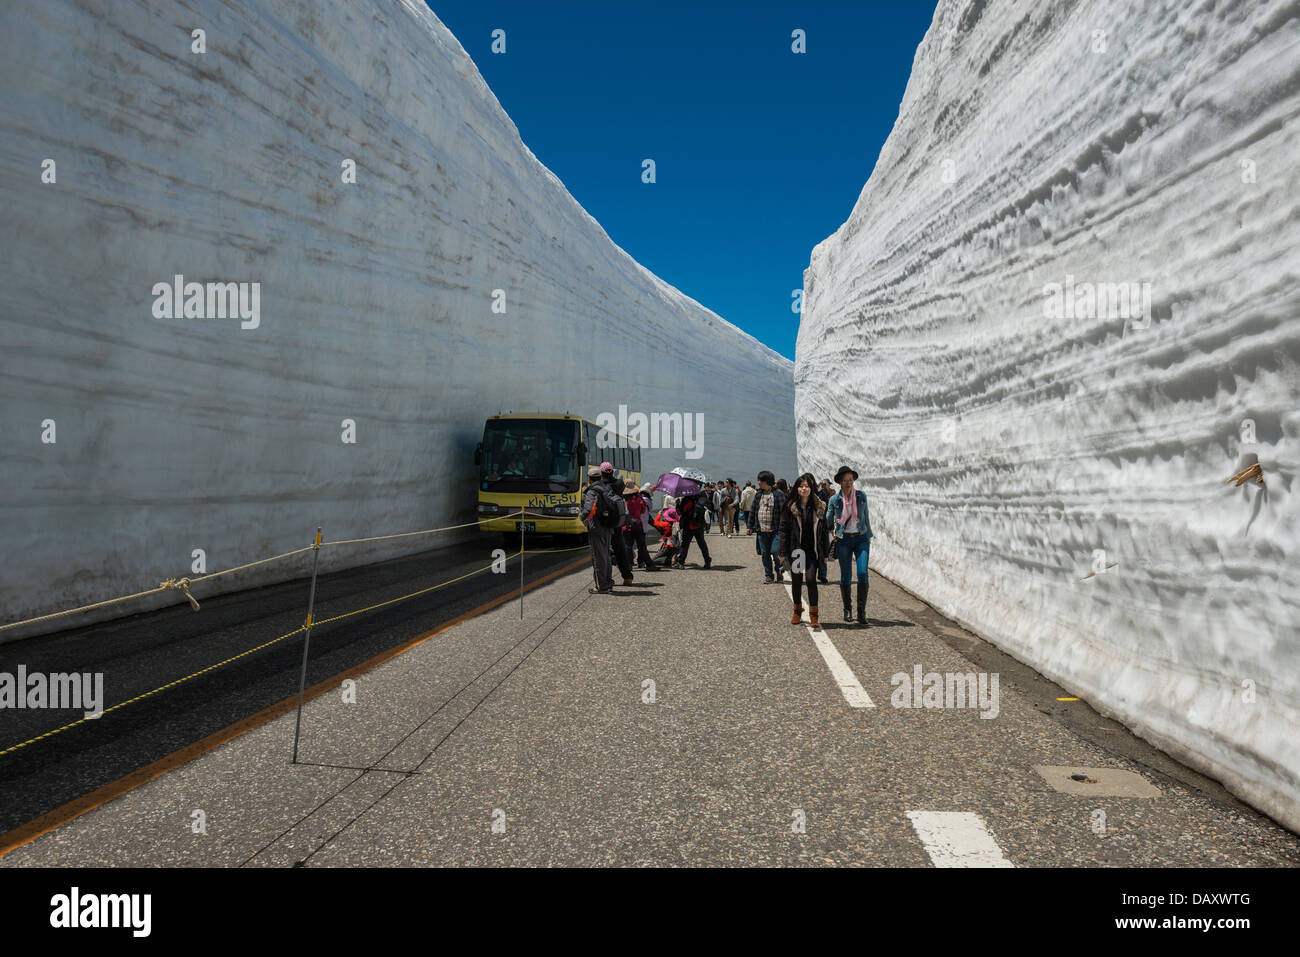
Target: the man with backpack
(601, 513)
(614, 491)
(692, 525)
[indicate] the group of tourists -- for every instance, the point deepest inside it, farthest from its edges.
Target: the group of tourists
(796, 529)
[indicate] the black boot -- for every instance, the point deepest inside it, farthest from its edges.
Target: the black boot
(862, 604)
(848, 604)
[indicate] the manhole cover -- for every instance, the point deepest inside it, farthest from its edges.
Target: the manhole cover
(1098, 782)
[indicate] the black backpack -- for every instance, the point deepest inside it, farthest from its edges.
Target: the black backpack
(608, 514)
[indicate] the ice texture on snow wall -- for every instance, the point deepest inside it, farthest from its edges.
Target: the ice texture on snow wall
(227, 165)
(1045, 461)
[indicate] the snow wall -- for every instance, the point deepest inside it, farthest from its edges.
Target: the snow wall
(375, 297)
(964, 344)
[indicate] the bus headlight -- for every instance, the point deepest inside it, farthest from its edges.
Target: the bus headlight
(567, 510)
(487, 508)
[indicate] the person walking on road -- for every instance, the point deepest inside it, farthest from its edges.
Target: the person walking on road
(634, 528)
(784, 488)
(691, 508)
(614, 492)
(601, 516)
(804, 543)
(851, 532)
(765, 522)
(747, 507)
(727, 498)
(824, 492)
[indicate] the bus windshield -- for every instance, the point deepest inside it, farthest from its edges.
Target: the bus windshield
(530, 455)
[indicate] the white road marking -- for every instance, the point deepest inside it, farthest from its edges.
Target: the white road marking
(850, 687)
(957, 839)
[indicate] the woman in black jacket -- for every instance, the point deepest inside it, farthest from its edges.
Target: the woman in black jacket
(805, 543)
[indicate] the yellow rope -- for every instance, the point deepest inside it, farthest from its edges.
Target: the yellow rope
(141, 697)
(424, 531)
(182, 584)
(242, 654)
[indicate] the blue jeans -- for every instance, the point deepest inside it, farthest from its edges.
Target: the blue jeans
(850, 550)
(767, 546)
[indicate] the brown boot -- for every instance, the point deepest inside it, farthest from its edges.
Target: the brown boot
(812, 616)
(798, 614)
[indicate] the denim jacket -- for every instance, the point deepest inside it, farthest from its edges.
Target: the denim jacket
(835, 509)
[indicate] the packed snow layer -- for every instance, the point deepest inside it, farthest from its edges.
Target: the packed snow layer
(375, 298)
(1013, 436)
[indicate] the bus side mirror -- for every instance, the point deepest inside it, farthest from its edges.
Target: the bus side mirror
(582, 452)
(478, 454)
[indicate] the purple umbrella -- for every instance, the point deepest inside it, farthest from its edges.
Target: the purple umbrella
(670, 483)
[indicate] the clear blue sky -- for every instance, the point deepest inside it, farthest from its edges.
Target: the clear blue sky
(760, 152)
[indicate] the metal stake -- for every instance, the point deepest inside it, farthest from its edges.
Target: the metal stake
(521, 564)
(306, 641)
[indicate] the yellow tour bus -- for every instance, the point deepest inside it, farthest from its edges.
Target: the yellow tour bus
(539, 462)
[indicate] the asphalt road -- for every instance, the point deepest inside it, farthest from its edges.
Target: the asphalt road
(145, 652)
(682, 720)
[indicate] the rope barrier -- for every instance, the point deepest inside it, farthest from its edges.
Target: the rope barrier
(183, 584)
(297, 631)
(423, 531)
(73, 611)
(147, 694)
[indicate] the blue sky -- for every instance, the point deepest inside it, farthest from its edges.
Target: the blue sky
(760, 153)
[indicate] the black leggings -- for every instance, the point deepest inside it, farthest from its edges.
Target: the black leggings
(796, 581)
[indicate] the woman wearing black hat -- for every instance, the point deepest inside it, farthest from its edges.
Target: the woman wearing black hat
(846, 514)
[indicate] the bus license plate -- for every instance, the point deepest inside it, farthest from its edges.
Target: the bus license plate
(525, 526)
